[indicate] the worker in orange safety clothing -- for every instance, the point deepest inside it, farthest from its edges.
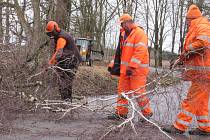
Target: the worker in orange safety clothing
(196, 59)
(66, 56)
(134, 63)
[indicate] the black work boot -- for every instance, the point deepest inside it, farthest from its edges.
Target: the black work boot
(148, 116)
(66, 94)
(117, 117)
(199, 132)
(171, 129)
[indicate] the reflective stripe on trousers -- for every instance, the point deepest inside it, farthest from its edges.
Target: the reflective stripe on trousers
(143, 103)
(122, 106)
(203, 121)
(196, 104)
(133, 83)
(183, 120)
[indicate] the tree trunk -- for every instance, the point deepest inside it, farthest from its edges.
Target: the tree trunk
(50, 12)
(63, 8)
(174, 22)
(7, 35)
(156, 39)
(147, 28)
(183, 26)
(156, 33)
(1, 28)
(23, 22)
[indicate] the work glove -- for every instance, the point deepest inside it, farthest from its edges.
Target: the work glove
(115, 70)
(109, 69)
(178, 61)
(183, 56)
(129, 71)
(174, 63)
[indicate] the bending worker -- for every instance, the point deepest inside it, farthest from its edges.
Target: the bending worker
(66, 56)
(134, 63)
(196, 58)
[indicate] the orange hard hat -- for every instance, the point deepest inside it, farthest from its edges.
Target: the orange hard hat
(125, 17)
(193, 12)
(52, 25)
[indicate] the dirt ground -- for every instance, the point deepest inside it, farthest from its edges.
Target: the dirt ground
(79, 125)
(21, 121)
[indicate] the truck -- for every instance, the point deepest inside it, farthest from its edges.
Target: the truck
(89, 51)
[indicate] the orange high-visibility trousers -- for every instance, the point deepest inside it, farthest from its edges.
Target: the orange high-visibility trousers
(196, 104)
(131, 83)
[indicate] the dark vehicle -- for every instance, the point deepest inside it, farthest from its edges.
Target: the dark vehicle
(89, 51)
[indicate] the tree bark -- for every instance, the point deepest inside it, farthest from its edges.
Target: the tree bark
(37, 29)
(156, 35)
(7, 35)
(181, 39)
(174, 23)
(25, 25)
(63, 10)
(1, 27)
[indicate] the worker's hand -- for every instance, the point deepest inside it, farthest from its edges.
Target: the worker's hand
(129, 71)
(109, 69)
(176, 62)
(182, 56)
(115, 70)
(52, 62)
(179, 60)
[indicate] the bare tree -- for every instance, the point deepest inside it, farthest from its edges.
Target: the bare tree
(1, 25)
(7, 35)
(147, 26)
(160, 9)
(206, 8)
(25, 25)
(48, 8)
(32, 30)
(163, 19)
(92, 18)
(128, 6)
(63, 12)
(182, 28)
(174, 20)
(144, 11)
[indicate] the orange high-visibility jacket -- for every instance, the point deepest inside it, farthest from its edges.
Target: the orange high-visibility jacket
(60, 45)
(198, 66)
(135, 52)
